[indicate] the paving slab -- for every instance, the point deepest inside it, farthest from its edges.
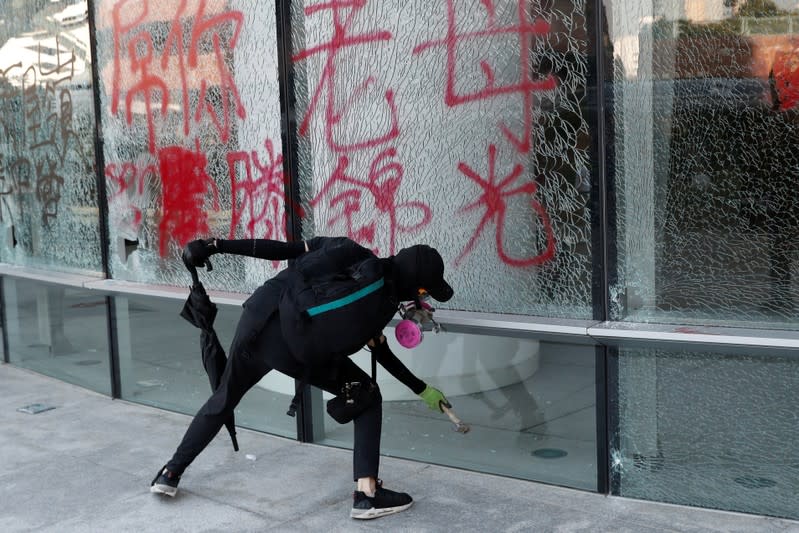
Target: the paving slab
(86, 466)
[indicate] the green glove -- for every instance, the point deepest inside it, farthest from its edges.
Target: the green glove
(434, 398)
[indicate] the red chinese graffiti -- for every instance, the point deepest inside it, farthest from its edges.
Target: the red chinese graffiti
(125, 182)
(384, 197)
(327, 81)
(494, 199)
(493, 195)
(153, 82)
(184, 187)
(384, 178)
(258, 193)
(146, 85)
(525, 86)
(261, 198)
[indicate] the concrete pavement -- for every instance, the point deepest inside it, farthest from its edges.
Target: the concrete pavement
(86, 466)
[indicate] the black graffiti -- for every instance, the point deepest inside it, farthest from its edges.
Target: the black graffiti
(16, 177)
(36, 134)
(48, 190)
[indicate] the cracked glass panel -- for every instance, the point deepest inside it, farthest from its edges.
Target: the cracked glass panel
(161, 365)
(457, 124)
(58, 331)
(191, 123)
(715, 430)
(706, 120)
(49, 215)
(530, 406)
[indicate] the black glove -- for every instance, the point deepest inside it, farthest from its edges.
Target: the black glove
(196, 253)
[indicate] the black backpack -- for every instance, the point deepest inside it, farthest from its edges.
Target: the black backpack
(336, 299)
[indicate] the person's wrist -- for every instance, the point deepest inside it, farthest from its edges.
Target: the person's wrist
(428, 395)
(434, 398)
(213, 245)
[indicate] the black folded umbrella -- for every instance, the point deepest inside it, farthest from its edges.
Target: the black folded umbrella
(200, 311)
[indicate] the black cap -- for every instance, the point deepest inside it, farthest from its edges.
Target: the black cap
(424, 264)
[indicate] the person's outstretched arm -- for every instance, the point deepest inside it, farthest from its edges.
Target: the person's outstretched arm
(261, 248)
(391, 362)
(197, 252)
(433, 397)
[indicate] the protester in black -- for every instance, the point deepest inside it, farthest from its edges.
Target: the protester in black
(259, 346)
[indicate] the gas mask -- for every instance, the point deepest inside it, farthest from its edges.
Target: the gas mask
(417, 317)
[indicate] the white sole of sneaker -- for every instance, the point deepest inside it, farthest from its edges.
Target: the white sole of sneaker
(164, 489)
(368, 514)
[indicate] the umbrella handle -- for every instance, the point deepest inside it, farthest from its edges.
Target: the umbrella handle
(192, 270)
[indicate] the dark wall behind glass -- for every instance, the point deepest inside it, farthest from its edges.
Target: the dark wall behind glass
(707, 169)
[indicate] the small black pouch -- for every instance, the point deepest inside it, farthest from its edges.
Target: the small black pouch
(354, 399)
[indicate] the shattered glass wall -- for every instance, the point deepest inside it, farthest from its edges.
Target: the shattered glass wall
(457, 124)
(706, 122)
(708, 429)
(191, 127)
(49, 215)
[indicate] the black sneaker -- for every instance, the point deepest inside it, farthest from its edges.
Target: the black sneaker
(383, 503)
(165, 482)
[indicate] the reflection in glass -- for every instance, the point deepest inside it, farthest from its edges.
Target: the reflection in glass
(48, 184)
(59, 331)
(530, 405)
(160, 362)
(710, 430)
(705, 119)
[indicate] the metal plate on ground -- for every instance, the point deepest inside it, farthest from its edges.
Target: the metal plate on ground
(35, 408)
(550, 453)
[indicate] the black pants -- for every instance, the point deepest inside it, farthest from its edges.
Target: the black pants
(258, 348)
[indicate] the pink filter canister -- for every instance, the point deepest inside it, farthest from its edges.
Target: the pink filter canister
(408, 333)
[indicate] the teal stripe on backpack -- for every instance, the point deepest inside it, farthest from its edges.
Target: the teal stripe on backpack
(341, 302)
